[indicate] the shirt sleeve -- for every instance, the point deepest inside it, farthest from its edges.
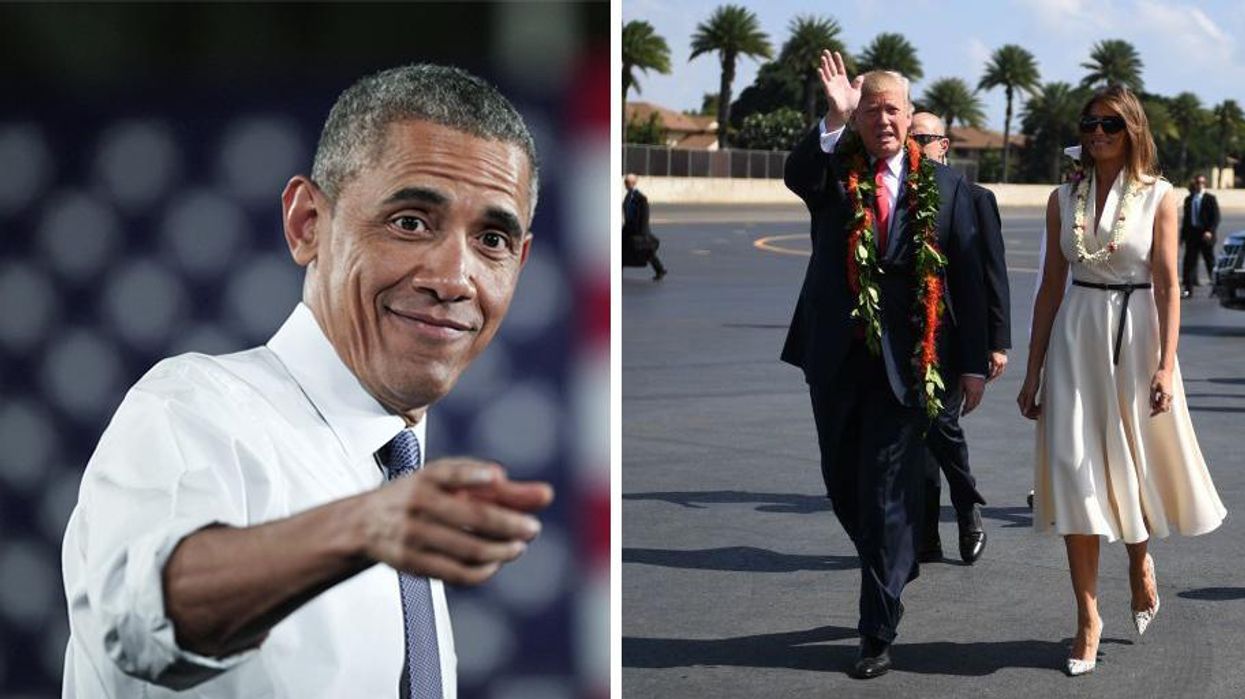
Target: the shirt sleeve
(165, 468)
(830, 139)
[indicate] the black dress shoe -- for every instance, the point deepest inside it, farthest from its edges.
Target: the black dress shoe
(874, 660)
(972, 536)
(1187, 293)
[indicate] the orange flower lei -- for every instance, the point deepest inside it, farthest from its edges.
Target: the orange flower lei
(863, 267)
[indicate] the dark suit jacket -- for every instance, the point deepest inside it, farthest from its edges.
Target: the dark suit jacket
(994, 263)
(638, 240)
(821, 331)
(1209, 214)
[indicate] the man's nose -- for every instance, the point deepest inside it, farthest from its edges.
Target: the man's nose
(445, 269)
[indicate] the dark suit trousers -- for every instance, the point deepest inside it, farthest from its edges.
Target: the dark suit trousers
(948, 451)
(872, 460)
(1196, 246)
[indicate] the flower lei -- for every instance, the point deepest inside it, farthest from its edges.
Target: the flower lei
(862, 259)
(1081, 211)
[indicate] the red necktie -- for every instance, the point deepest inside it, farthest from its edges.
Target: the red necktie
(884, 204)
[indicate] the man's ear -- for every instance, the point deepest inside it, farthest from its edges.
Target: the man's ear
(525, 249)
(304, 213)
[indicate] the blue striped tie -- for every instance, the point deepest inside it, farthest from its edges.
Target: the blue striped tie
(422, 675)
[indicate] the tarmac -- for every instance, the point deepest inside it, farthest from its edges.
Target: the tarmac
(737, 580)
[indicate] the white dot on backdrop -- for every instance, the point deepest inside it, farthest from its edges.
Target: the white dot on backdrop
(588, 197)
(483, 638)
(590, 407)
(484, 378)
(78, 234)
(57, 504)
(28, 437)
(27, 165)
(29, 584)
(28, 305)
(519, 428)
(262, 293)
(144, 302)
(137, 161)
(206, 338)
(592, 626)
(204, 232)
(258, 156)
(537, 578)
(531, 688)
(81, 373)
(539, 300)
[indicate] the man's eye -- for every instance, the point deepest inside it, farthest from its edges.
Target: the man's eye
(410, 223)
(495, 240)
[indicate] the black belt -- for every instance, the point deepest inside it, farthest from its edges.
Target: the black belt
(1128, 290)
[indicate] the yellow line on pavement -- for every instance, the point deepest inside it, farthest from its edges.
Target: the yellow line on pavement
(767, 244)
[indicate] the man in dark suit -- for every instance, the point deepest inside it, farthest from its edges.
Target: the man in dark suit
(639, 243)
(948, 449)
(867, 405)
(1197, 232)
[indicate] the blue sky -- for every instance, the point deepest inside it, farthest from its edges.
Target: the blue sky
(1199, 47)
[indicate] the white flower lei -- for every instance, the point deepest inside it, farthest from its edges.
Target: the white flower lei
(1081, 209)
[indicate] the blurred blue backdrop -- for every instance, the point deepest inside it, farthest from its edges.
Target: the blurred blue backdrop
(143, 150)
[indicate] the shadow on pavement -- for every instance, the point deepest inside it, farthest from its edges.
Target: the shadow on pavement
(1214, 409)
(1212, 330)
(1013, 516)
(788, 503)
(1214, 594)
(746, 559)
(808, 650)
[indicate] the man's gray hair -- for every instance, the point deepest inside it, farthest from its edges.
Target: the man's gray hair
(355, 130)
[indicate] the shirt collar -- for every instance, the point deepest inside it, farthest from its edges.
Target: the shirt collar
(361, 424)
(893, 163)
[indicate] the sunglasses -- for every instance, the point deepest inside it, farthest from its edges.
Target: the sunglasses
(926, 138)
(1111, 124)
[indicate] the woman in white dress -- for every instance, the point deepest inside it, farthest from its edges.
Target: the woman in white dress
(1116, 452)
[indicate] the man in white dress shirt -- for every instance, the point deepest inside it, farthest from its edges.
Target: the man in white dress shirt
(242, 529)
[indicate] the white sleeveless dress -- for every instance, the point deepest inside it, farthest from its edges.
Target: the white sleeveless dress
(1104, 466)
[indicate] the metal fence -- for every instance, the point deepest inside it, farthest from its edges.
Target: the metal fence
(662, 161)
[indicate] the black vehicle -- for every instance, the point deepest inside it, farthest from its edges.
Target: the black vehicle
(1229, 275)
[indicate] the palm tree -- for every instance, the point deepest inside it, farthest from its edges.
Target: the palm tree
(951, 99)
(1012, 68)
(1049, 118)
(891, 52)
(1162, 126)
(810, 36)
(731, 31)
(642, 48)
(1229, 122)
(1187, 115)
(1113, 62)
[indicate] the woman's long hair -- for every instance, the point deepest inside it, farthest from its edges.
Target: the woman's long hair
(1141, 158)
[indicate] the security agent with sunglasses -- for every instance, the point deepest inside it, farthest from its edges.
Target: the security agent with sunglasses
(870, 421)
(1197, 231)
(263, 523)
(945, 440)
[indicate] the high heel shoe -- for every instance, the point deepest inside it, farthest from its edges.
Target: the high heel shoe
(1078, 666)
(1143, 618)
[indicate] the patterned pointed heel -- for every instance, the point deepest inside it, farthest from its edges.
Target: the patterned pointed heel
(1142, 619)
(1079, 666)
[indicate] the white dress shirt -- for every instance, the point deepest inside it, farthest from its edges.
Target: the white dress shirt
(238, 439)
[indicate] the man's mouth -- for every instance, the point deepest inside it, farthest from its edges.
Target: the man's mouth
(433, 324)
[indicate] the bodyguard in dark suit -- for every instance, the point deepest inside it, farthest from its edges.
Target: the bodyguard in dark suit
(948, 450)
(639, 243)
(867, 407)
(1197, 232)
